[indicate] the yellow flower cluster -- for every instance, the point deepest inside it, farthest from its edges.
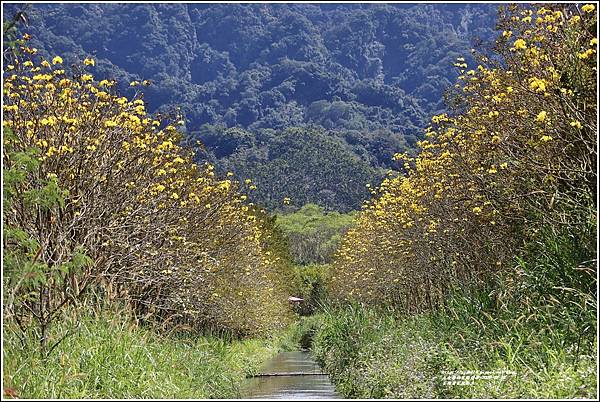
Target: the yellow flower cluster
(486, 175)
(140, 203)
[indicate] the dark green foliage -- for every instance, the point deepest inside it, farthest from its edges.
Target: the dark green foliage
(372, 73)
(303, 164)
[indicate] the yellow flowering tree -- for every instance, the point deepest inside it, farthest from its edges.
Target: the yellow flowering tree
(180, 244)
(516, 155)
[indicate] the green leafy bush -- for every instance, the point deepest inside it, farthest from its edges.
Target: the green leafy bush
(311, 285)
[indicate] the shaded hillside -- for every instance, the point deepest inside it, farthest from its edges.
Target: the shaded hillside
(351, 69)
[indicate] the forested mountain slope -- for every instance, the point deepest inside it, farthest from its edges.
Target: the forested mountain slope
(370, 75)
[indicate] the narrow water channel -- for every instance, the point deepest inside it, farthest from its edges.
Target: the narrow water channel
(314, 386)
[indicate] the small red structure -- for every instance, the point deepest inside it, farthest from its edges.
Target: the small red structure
(293, 299)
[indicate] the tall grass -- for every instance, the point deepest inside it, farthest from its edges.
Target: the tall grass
(372, 354)
(110, 357)
(539, 322)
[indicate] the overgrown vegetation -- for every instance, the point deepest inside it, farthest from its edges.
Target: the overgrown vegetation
(96, 190)
(541, 332)
(103, 207)
(310, 284)
(514, 161)
(485, 254)
(536, 323)
(112, 357)
(312, 236)
(132, 267)
(373, 353)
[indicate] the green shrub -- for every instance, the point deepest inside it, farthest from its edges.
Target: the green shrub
(311, 286)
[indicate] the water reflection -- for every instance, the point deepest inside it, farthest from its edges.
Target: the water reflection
(291, 387)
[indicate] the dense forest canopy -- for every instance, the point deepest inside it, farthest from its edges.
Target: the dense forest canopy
(368, 75)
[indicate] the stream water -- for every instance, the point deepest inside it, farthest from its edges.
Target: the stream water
(315, 386)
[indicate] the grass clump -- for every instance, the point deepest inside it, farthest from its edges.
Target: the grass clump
(372, 354)
(111, 357)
